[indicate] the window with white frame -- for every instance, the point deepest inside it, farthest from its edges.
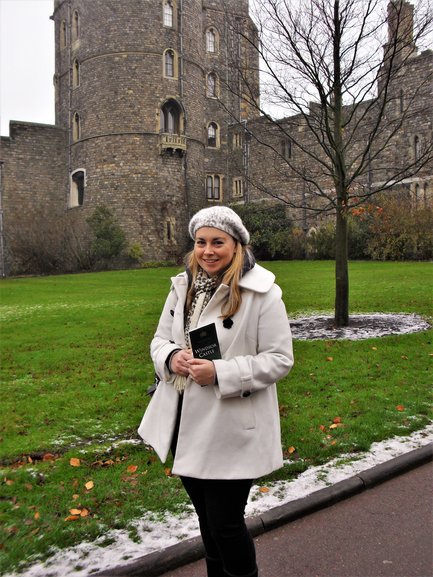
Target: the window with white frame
(75, 26)
(168, 13)
(211, 85)
(78, 182)
(76, 127)
(170, 117)
(211, 40)
(213, 135)
(75, 73)
(238, 187)
(213, 187)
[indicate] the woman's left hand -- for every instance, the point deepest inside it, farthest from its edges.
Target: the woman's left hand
(202, 371)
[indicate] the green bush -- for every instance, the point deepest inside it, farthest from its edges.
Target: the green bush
(269, 227)
(109, 238)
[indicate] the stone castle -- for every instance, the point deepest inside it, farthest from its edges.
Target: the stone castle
(146, 126)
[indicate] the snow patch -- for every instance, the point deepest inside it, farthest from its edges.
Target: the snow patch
(155, 535)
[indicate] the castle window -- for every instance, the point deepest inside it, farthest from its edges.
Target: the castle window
(170, 118)
(211, 85)
(401, 101)
(286, 148)
(213, 187)
(237, 140)
(76, 127)
(417, 148)
(169, 230)
(213, 135)
(75, 26)
(167, 11)
(75, 73)
(170, 63)
(76, 197)
(238, 187)
(211, 40)
(63, 35)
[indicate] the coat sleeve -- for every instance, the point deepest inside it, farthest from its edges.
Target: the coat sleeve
(272, 358)
(162, 344)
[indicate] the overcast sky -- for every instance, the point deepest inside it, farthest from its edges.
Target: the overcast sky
(26, 62)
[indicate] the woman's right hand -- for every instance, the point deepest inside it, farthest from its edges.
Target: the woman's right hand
(179, 362)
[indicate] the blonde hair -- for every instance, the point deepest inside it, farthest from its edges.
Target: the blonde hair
(230, 277)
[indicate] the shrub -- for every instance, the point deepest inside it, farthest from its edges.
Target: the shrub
(109, 238)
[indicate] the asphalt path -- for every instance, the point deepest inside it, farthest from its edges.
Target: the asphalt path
(385, 531)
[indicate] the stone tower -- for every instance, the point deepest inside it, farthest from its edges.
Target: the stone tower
(142, 91)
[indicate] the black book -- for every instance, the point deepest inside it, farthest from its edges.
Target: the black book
(204, 343)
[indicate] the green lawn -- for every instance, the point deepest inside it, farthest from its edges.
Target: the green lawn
(75, 367)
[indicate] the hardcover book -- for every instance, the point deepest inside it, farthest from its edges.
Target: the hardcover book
(204, 342)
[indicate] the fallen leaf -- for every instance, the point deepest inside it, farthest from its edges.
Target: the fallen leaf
(264, 490)
(84, 512)
(291, 450)
(36, 516)
(333, 426)
(89, 485)
(399, 408)
(9, 482)
(374, 348)
(75, 497)
(75, 511)
(404, 357)
(49, 457)
(329, 358)
(167, 472)
(336, 420)
(74, 462)
(72, 518)
(322, 427)
(132, 468)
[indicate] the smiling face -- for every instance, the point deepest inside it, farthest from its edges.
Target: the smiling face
(213, 249)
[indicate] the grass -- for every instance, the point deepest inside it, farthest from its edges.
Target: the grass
(75, 367)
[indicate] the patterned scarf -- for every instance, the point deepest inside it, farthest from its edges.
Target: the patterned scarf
(204, 287)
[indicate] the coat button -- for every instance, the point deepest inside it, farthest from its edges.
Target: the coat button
(246, 394)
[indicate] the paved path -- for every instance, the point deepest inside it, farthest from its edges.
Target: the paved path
(386, 531)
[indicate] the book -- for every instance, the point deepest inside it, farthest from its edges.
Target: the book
(204, 343)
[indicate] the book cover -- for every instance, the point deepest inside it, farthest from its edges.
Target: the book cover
(204, 342)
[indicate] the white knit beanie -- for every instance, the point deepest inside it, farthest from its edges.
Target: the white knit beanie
(222, 218)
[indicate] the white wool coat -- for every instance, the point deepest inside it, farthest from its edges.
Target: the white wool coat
(230, 430)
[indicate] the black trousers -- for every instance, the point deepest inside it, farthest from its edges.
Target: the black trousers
(220, 506)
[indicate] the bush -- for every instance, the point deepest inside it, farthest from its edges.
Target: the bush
(109, 238)
(269, 227)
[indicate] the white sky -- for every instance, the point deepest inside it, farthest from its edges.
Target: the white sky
(26, 62)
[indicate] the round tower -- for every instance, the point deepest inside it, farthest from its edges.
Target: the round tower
(138, 87)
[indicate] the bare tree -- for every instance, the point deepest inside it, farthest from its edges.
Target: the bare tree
(339, 71)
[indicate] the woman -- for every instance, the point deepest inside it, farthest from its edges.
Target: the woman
(220, 417)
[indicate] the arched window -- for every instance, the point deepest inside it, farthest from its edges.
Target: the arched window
(170, 63)
(78, 181)
(213, 187)
(417, 148)
(211, 40)
(212, 135)
(76, 128)
(63, 35)
(416, 197)
(211, 85)
(75, 26)
(167, 13)
(75, 73)
(170, 117)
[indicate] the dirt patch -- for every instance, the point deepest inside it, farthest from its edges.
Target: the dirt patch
(361, 326)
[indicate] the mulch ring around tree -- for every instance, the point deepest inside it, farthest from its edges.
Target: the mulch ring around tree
(361, 326)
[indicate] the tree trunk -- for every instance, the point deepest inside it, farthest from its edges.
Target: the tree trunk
(341, 269)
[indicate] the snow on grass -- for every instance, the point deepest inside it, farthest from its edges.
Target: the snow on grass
(152, 534)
